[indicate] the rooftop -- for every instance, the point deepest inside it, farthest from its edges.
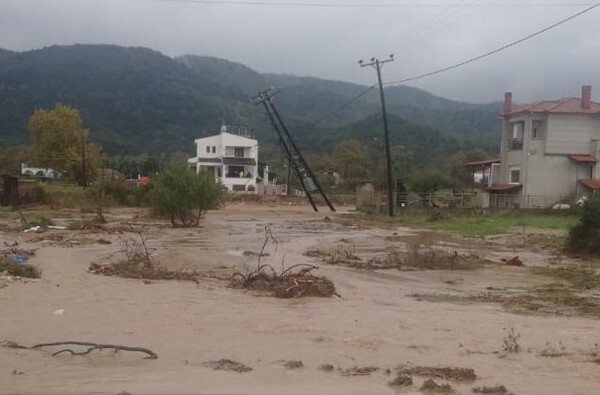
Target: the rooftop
(569, 105)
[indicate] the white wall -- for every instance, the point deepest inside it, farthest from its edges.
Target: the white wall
(211, 141)
(571, 133)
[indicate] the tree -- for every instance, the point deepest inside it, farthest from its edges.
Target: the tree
(460, 176)
(59, 141)
(348, 158)
(584, 237)
(185, 196)
(426, 181)
(11, 159)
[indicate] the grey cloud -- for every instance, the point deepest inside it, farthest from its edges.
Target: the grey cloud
(327, 42)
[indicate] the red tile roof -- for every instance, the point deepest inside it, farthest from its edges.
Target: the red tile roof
(583, 158)
(592, 184)
(569, 105)
(504, 187)
(482, 162)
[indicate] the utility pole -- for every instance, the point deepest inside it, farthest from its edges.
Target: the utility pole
(83, 165)
(378, 64)
(307, 179)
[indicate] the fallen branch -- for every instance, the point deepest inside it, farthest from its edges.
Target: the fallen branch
(94, 346)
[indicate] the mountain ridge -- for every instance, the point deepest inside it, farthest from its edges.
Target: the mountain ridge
(138, 99)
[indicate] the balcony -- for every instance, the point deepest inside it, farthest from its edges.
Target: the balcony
(515, 144)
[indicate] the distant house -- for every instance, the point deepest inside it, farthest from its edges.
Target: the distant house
(231, 155)
(38, 172)
(549, 151)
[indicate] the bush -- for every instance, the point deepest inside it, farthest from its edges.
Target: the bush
(584, 237)
(185, 196)
(122, 193)
(40, 220)
(18, 269)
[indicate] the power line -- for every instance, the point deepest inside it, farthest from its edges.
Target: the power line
(494, 51)
(341, 107)
(448, 68)
(265, 3)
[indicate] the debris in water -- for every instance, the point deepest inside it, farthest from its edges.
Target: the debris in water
(228, 365)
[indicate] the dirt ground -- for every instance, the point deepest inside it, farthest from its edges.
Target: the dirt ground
(212, 339)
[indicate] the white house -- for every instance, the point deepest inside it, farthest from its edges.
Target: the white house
(232, 155)
(38, 172)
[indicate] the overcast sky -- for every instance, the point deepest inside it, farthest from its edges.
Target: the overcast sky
(326, 42)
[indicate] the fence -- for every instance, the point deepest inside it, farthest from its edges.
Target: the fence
(371, 201)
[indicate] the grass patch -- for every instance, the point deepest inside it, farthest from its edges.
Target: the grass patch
(41, 220)
(138, 263)
(64, 195)
(452, 298)
(8, 213)
(128, 269)
(580, 276)
(413, 256)
(439, 372)
(549, 299)
(475, 224)
(13, 268)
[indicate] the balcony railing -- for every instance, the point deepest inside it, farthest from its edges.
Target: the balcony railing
(515, 144)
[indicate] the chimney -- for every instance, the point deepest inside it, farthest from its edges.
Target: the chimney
(586, 97)
(507, 103)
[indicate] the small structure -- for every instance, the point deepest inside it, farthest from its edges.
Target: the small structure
(18, 191)
(485, 172)
(549, 153)
(38, 172)
(232, 156)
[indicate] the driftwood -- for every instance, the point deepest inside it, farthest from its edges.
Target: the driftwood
(95, 346)
(90, 347)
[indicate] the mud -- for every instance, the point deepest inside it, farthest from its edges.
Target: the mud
(374, 324)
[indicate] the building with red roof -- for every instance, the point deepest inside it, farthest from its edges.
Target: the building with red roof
(549, 150)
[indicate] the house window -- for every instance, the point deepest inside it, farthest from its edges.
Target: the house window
(208, 149)
(516, 142)
(536, 130)
(514, 175)
(214, 149)
(239, 152)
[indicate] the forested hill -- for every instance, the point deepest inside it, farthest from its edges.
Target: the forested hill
(140, 100)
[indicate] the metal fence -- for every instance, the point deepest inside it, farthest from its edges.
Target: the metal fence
(375, 202)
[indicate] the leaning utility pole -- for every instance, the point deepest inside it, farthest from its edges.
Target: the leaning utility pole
(83, 164)
(296, 160)
(378, 64)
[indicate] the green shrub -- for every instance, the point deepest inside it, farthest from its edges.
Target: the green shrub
(185, 196)
(584, 237)
(40, 220)
(122, 193)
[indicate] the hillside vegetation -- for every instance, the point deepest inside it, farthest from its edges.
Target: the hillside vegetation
(139, 100)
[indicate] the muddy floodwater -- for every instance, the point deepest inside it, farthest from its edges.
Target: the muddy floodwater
(213, 339)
